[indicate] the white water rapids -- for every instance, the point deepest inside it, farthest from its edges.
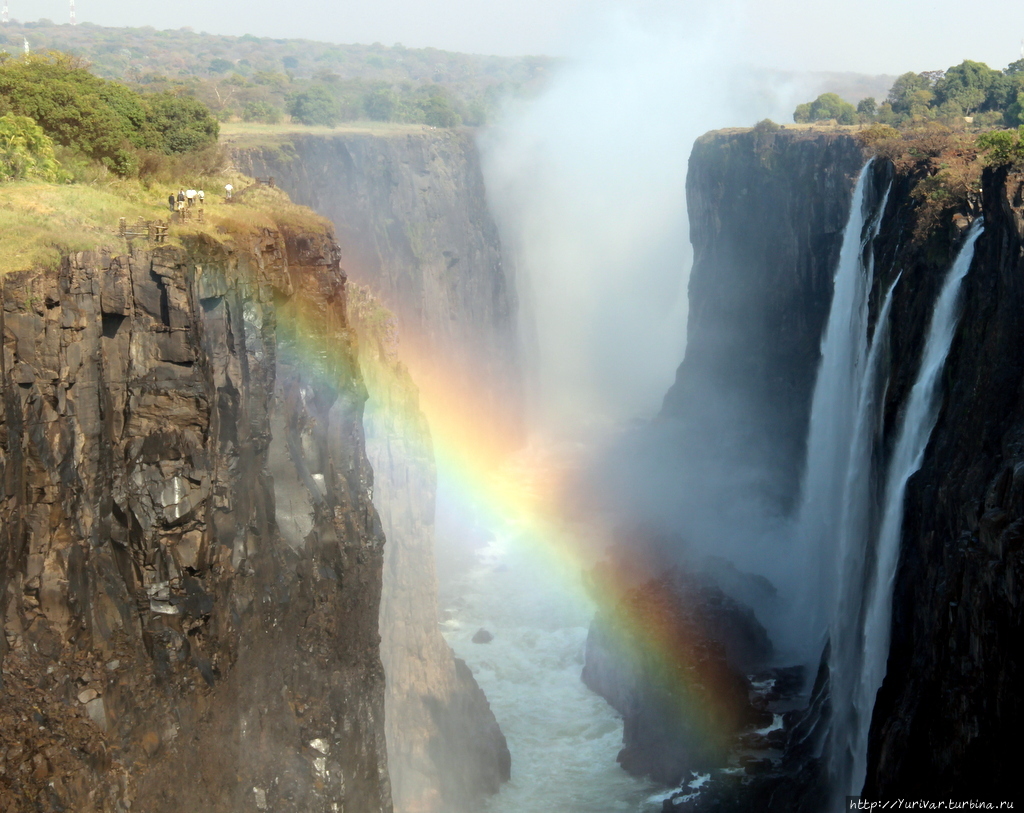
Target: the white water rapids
(563, 738)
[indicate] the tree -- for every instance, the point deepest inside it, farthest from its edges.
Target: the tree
(867, 107)
(826, 106)
(26, 151)
(966, 85)
(183, 123)
(314, 106)
(438, 112)
(381, 104)
(262, 112)
(910, 93)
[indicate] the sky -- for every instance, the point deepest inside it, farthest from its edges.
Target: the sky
(868, 36)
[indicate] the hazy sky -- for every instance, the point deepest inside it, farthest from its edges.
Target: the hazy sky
(873, 36)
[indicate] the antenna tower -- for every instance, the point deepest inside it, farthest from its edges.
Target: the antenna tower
(72, 12)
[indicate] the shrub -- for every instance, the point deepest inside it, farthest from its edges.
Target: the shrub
(26, 151)
(314, 106)
(262, 112)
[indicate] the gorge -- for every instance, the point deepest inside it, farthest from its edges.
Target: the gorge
(219, 458)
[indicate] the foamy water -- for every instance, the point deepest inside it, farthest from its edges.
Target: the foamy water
(563, 737)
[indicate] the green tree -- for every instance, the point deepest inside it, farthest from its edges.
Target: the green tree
(262, 112)
(438, 112)
(381, 104)
(1002, 147)
(966, 85)
(911, 93)
(26, 151)
(826, 106)
(182, 123)
(220, 65)
(867, 107)
(314, 106)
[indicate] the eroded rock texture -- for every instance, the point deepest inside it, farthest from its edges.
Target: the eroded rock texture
(412, 214)
(445, 749)
(190, 558)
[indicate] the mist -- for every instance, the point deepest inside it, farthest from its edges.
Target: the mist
(588, 183)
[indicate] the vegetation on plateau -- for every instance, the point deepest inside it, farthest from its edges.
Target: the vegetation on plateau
(79, 153)
(93, 120)
(263, 80)
(969, 93)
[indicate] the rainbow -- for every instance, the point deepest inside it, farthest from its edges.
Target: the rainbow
(505, 484)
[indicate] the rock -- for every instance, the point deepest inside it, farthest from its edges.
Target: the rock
(86, 695)
(150, 743)
(482, 636)
(135, 421)
(97, 711)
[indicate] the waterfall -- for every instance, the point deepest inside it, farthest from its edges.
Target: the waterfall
(919, 416)
(834, 407)
(855, 529)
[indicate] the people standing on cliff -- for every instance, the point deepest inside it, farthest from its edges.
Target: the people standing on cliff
(202, 197)
(190, 196)
(227, 191)
(170, 201)
(181, 199)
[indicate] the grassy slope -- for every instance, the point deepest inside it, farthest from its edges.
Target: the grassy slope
(40, 222)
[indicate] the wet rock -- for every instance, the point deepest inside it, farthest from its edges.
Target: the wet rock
(139, 544)
(482, 636)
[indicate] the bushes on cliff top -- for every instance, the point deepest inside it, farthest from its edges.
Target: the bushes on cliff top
(1002, 147)
(105, 121)
(826, 106)
(26, 152)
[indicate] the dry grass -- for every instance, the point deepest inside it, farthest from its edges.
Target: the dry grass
(39, 222)
(249, 134)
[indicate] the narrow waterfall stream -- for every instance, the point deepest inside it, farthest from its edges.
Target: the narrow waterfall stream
(834, 412)
(851, 509)
(919, 416)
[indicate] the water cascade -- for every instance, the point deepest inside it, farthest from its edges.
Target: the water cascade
(834, 408)
(851, 509)
(859, 519)
(919, 418)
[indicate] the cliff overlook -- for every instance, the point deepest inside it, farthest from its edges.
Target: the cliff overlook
(191, 561)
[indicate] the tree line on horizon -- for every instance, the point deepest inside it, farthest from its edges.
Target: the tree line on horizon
(264, 80)
(970, 90)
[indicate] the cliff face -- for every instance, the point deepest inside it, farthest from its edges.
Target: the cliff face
(767, 213)
(412, 213)
(190, 562)
(951, 695)
(445, 749)
(948, 703)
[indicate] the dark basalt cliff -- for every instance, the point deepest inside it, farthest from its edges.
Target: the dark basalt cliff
(951, 704)
(190, 563)
(411, 211)
(767, 214)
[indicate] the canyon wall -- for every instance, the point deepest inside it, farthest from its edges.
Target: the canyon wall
(766, 231)
(767, 212)
(190, 562)
(411, 211)
(445, 749)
